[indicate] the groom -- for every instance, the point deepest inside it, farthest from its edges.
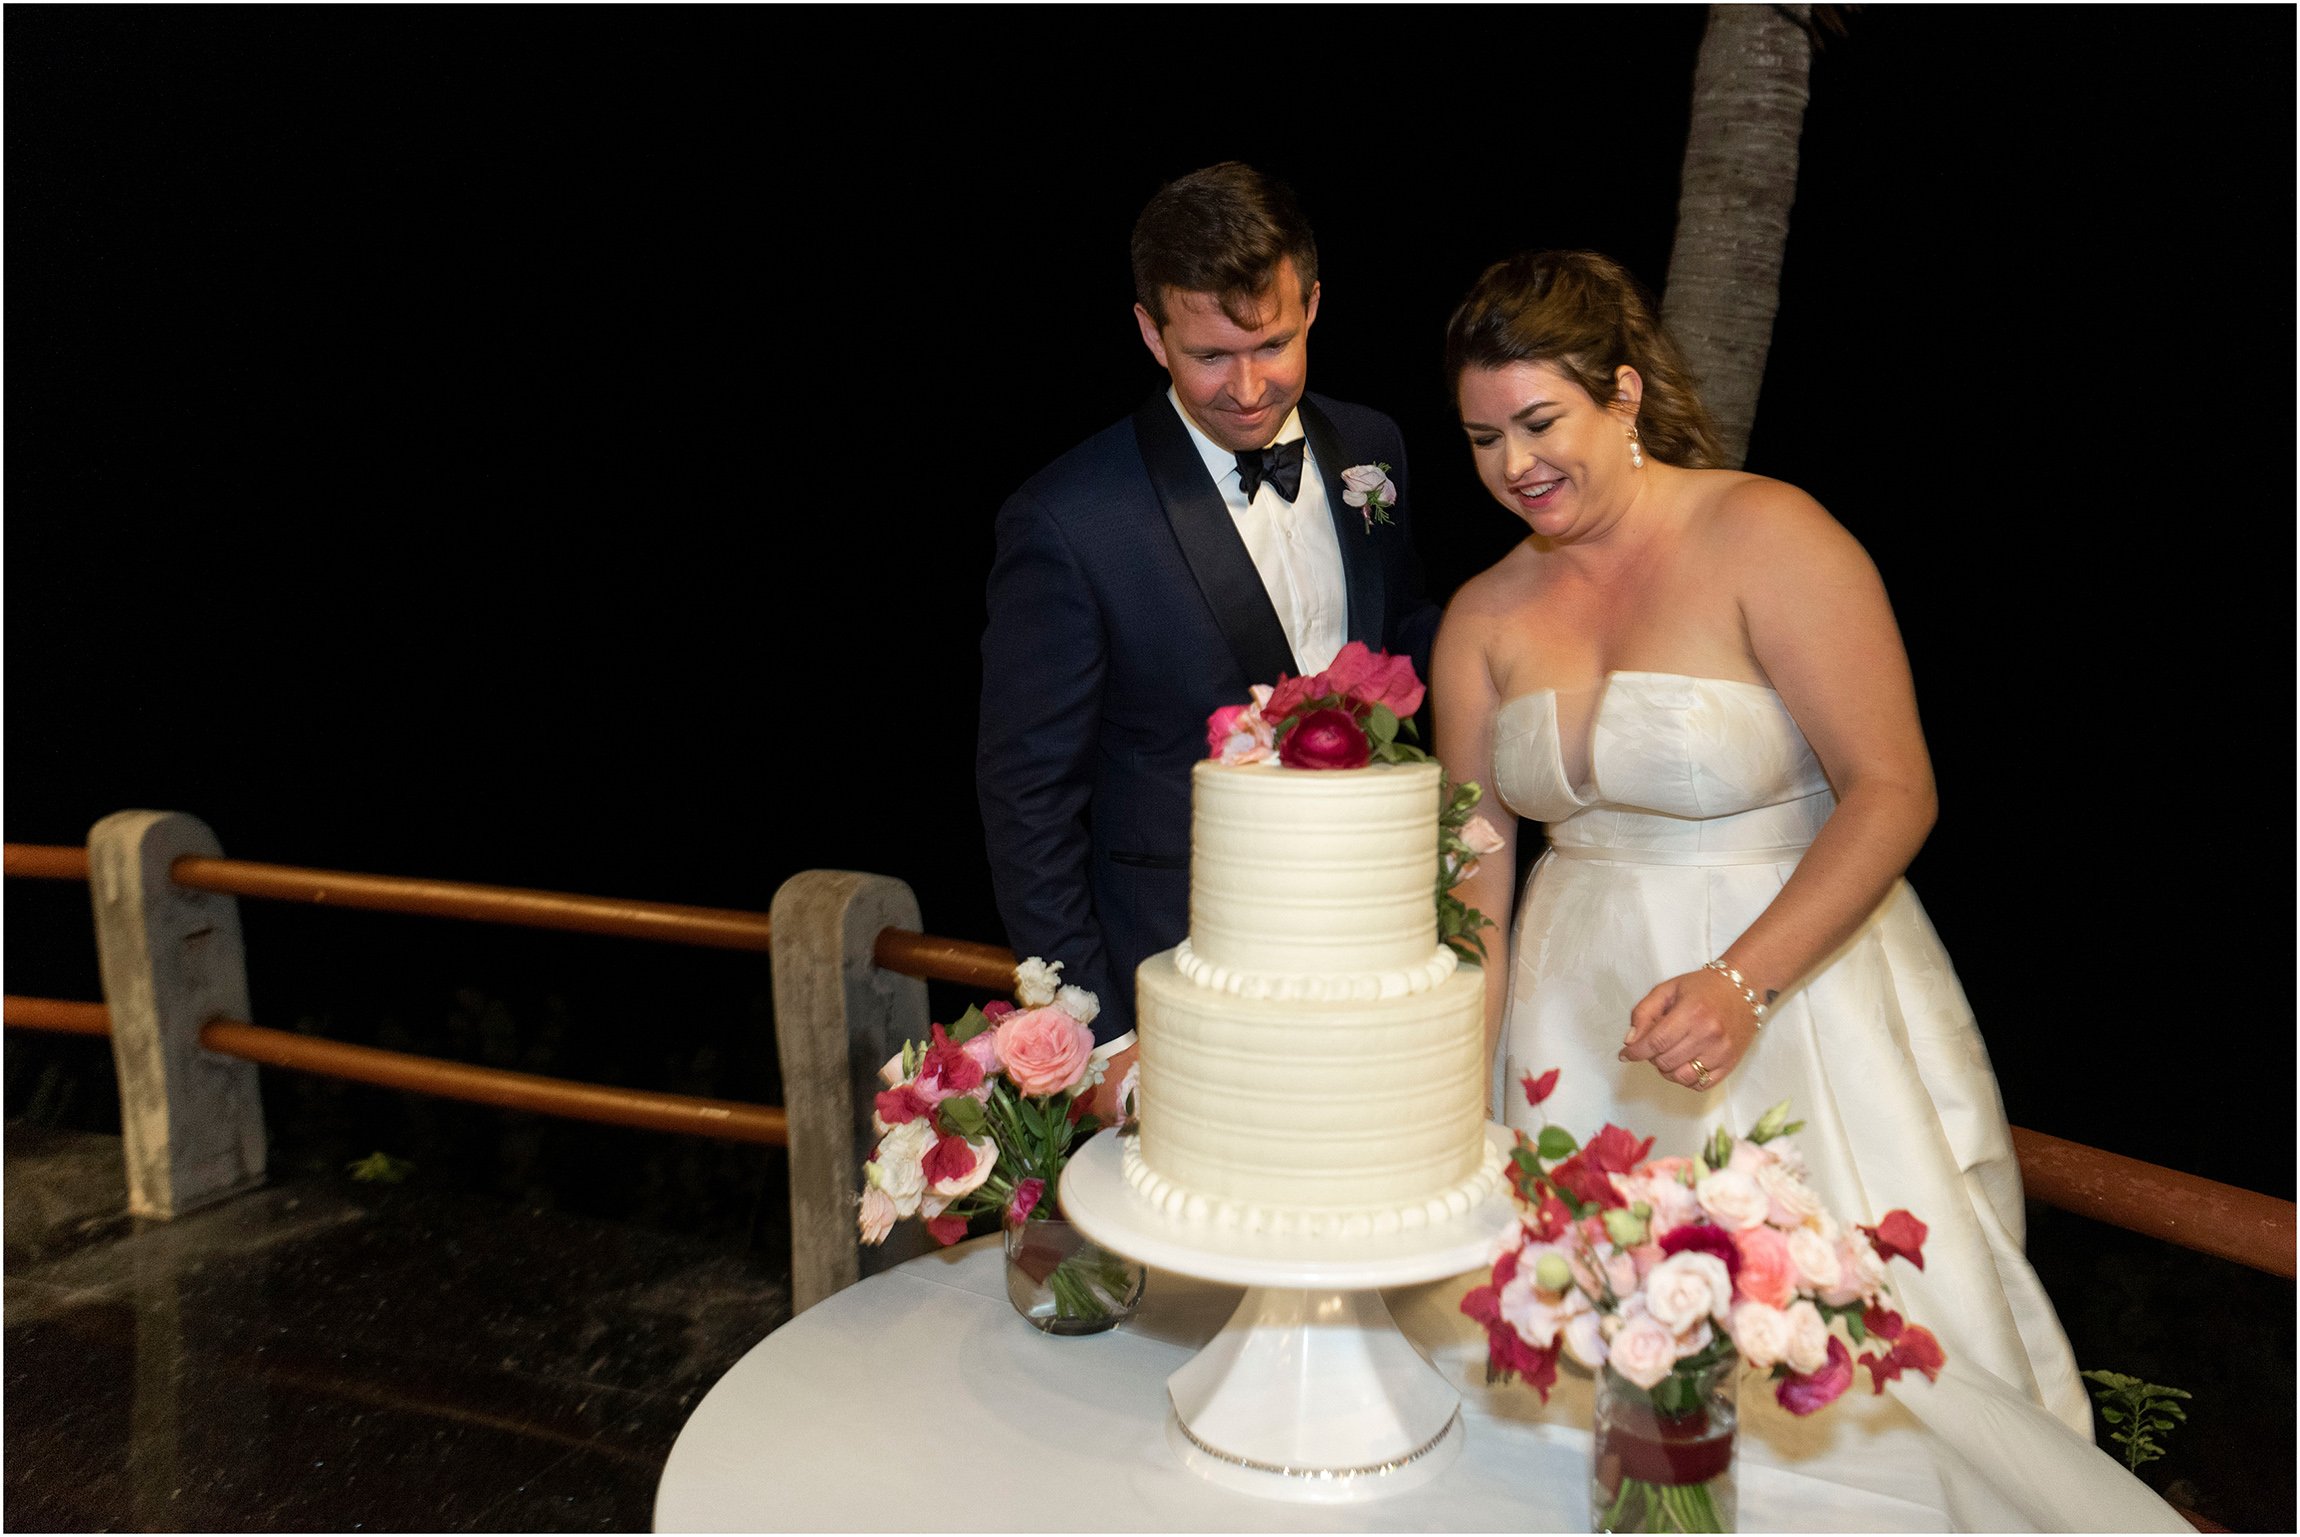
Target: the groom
(1160, 569)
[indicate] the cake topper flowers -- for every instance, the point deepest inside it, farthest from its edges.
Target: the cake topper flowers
(1356, 713)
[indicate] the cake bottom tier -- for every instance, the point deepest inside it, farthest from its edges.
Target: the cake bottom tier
(1311, 1115)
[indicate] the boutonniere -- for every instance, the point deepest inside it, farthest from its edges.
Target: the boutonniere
(1368, 487)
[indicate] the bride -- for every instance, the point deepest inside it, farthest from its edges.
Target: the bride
(1692, 678)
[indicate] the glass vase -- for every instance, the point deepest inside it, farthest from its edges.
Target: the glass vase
(1065, 1283)
(1662, 1458)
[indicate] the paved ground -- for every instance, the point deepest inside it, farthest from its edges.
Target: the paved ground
(327, 1356)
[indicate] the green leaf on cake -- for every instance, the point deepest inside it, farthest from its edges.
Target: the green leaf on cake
(1556, 1143)
(970, 1024)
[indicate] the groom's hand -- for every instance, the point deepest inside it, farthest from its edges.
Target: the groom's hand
(1102, 1103)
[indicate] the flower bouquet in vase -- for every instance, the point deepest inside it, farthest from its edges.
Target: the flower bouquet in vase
(1670, 1277)
(980, 1118)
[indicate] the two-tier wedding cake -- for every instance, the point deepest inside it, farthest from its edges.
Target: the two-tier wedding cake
(1312, 1057)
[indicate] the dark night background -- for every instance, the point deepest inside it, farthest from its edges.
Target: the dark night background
(559, 448)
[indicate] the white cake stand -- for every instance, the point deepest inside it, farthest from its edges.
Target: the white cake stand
(1309, 1392)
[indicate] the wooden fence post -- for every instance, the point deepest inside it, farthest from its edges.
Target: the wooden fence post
(837, 1018)
(191, 1122)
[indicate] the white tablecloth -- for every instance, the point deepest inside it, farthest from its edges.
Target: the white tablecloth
(918, 1401)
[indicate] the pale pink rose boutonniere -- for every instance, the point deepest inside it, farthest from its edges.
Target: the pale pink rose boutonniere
(1368, 488)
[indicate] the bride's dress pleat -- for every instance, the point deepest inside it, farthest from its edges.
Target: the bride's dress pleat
(1696, 797)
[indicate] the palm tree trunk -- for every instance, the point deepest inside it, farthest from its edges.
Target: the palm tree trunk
(1749, 94)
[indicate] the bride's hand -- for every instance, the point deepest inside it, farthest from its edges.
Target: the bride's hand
(1693, 1029)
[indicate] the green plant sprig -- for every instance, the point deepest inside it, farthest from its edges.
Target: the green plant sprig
(2145, 1409)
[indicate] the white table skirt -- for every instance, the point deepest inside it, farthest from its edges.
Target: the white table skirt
(918, 1401)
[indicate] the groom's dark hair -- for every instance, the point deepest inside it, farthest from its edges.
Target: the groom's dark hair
(1221, 231)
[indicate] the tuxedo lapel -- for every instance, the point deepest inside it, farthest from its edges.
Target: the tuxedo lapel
(1361, 565)
(1209, 538)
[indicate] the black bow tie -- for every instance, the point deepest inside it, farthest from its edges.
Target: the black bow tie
(1280, 464)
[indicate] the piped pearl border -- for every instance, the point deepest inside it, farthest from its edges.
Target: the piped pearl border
(1320, 987)
(1178, 1201)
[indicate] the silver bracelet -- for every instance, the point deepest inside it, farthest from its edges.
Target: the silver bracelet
(1733, 975)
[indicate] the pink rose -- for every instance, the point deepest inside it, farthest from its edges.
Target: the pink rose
(1732, 1200)
(1025, 1201)
(876, 1215)
(1793, 1202)
(1644, 1350)
(1686, 1288)
(1326, 739)
(1480, 836)
(1045, 1051)
(1809, 1338)
(1819, 1268)
(1851, 1285)
(1761, 1334)
(1767, 1275)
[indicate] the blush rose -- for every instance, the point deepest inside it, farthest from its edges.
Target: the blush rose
(1045, 1050)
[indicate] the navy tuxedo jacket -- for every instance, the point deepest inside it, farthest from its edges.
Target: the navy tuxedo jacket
(1124, 610)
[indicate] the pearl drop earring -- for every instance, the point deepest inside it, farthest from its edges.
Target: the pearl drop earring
(1636, 451)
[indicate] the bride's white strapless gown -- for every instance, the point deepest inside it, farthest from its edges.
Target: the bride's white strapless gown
(1699, 798)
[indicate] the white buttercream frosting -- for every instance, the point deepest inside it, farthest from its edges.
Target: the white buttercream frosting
(1313, 872)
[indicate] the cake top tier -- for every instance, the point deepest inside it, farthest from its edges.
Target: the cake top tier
(1315, 882)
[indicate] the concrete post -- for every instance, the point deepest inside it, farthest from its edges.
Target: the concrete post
(837, 1018)
(192, 1122)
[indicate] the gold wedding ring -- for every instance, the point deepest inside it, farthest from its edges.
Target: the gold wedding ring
(1700, 1074)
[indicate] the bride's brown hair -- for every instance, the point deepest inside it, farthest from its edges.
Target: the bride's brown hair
(1585, 315)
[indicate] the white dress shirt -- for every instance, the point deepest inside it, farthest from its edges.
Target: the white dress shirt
(1293, 545)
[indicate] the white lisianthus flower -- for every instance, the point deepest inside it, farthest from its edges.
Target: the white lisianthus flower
(1035, 982)
(899, 1167)
(891, 1073)
(1584, 1339)
(1524, 1308)
(1078, 1003)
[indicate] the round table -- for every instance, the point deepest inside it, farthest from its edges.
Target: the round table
(918, 1401)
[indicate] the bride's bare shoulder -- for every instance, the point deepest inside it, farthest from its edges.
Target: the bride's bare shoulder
(1492, 595)
(1744, 516)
